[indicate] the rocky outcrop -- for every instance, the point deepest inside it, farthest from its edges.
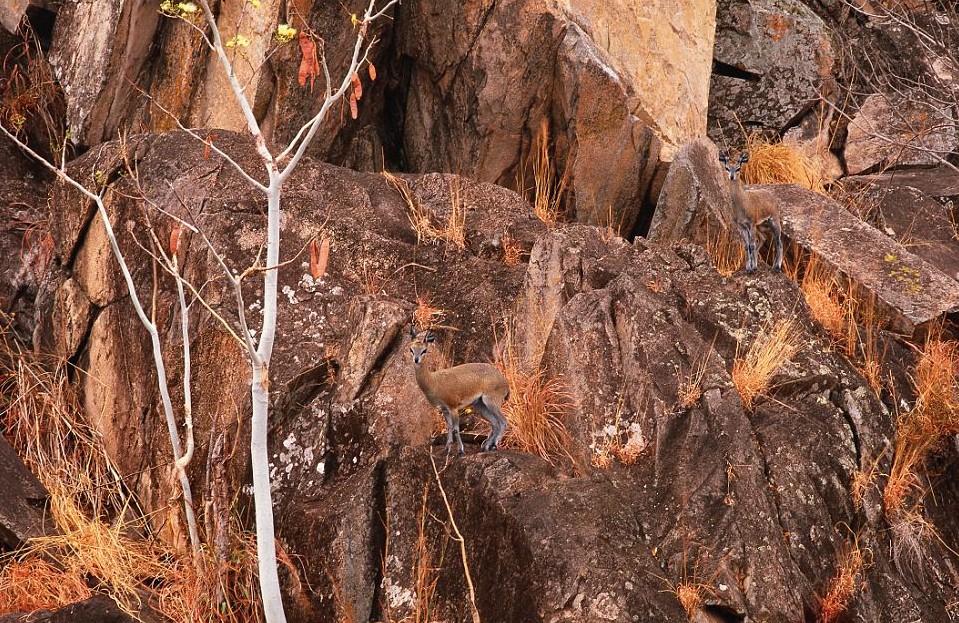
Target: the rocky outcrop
(913, 293)
(919, 222)
(86, 316)
(889, 132)
(695, 205)
(22, 502)
(747, 504)
(25, 246)
(524, 72)
(97, 609)
(773, 61)
(694, 197)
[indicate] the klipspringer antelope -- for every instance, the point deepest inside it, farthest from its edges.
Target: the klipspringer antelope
(478, 385)
(752, 207)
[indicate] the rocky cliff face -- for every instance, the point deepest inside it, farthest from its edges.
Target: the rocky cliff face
(672, 496)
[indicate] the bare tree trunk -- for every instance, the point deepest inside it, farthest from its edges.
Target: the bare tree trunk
(260, 391)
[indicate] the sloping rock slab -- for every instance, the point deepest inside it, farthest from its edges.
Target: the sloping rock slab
(912, 291)
(96, 609)
(22, 499)
(920, 222)
(935, 182)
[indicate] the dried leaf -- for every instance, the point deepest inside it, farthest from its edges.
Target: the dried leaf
(309, 65)
(175, 238)
(319, 256)
(372, 70)
(209, 143)
(357, 86)
(354, 110)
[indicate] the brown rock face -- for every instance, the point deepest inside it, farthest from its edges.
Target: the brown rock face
(919, 222)
(913, 292)
(695, 201)
(749, 503)
(590, 74)
(373, 251)
(695, 197)
(22, 500)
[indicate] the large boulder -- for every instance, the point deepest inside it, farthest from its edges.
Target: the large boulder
(772, 58)
(695, 196)
(889, 131)
(22, 502)
(913, 294)
(576, 75)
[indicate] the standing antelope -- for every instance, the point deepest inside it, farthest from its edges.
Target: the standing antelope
(478, 385)
(752, 207)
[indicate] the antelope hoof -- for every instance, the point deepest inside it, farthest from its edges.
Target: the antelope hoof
(460, 453)
(777, 269)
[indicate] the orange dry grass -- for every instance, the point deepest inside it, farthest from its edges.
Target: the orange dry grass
(35, 584)
(453, 231)
(691, 596)
(843, 585)
(512, 251)
(781, 163)
(934, 417)
(849, 317)
(691, 388)
(725, 252)
(98, 545)
(549, 187)
(772, 349)
(535, 408)
(691, 589)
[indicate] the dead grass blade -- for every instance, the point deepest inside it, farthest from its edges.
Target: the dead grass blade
(781, 163)
(772, 349)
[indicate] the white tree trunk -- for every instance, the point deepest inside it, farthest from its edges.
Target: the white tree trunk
(260, 391)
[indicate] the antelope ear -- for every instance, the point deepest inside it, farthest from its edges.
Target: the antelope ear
(430, 337)
(744, 158)
(723, 157)
(412, 331)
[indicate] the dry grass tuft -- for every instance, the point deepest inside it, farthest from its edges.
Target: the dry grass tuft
(426, 315)
(512, 251)
(424, 223)
(453, 230)
(934, 417)
(773, 348)
(724, 250)
(843, 584)
(29, 92)
(848, 316)
(781, 163)
(691, 590)
(691, 596)
(909, 534)
(536, 406)
(549, 186)
(35, 584)
(691, 388)
(101, 544)
(624, 443)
